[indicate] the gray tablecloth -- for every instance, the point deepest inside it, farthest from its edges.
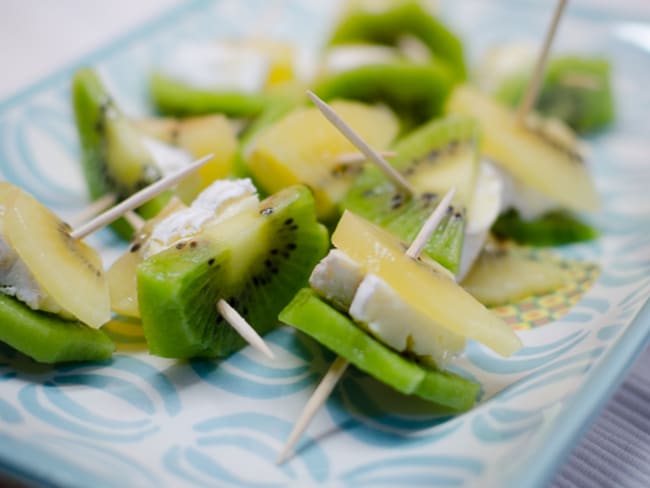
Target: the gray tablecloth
(615, 451)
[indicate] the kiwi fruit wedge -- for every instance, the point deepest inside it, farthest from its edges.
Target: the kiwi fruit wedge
(416, 92)
(179, 99)
(256, 261)
(554, 228)
(507, 274)
(576, 90)
(390, 25)
(48, 338)
(333, 329)
(542, 154)
(115, 160)
(433, 158)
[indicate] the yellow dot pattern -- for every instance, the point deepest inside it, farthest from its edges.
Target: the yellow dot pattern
(534, 311)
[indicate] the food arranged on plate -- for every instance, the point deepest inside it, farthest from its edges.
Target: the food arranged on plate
(380, 214)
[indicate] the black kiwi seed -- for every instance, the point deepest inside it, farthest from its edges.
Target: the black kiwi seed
(291, 246)
(135, 247)
(293, 227)
(274, 251)
(266, 211)
(289, 221)
(432, 156)
(429, 196)
(256, 281)
(180, 245)
(210, 261)
(193, 244)
(397, 200)
(268, 263)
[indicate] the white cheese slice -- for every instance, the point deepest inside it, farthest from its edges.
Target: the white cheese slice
(336, 278)
(343, 58)
(16, 280)
(168, 158)
(395, 323)
(219, 201)
(218, 66)
(483, 211)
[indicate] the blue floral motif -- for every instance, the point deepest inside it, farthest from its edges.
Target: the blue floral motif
(130, 411)
(257, 438)
(249, 377)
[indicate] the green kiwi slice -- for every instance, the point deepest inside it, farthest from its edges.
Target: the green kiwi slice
(256, 261)
(337, 332)
(416, 92)
(115, 159)
(47, 338)
(554, 228)
(404, 18)
(434, 157)
(172, 97)
(576, 90)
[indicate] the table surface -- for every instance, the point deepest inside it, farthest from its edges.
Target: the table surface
(615, 451)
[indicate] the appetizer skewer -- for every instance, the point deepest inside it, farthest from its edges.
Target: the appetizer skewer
(333, 375)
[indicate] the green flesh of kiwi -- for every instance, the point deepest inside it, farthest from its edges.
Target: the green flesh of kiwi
(179, 99)
(337, 332)
(47, 338)
(440, 154)
(114, 158)
(415, 92)
(576, 90)
(405, 18)
(255, 262)
(554, 228)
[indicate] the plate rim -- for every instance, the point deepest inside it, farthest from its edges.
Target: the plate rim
(536, 469)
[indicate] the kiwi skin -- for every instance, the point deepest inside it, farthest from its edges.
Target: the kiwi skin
(554, 228)
(94, 109)
(405, 18)
(415, 92)
(178, 99)
(178, 288)
(47, 338)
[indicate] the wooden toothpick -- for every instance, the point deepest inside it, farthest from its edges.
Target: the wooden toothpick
(321, 393)
(137, 199)
(333, 375)
(97, 206)
(358, 158)
(532, 89)
(134, 219)
(244, 329)
(351, 135)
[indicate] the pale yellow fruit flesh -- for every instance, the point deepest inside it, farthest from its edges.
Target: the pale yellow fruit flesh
(303, 147)
(504, 276)
(527, 155)
(70, 271)
(210, 134)
(425, 289)
(121, 276)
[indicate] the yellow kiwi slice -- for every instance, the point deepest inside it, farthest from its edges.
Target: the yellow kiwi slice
(121, 275)
(198, 136)
(303, 147)
(70, 271)
(542, 154)
(423, 287)
(506, 275)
